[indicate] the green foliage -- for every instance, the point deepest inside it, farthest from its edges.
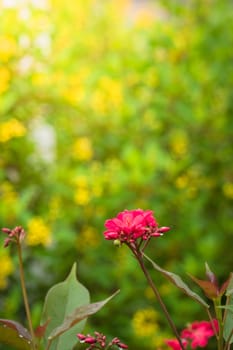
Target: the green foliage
(61, 301)
(179, 283)
(228, 327)
(101, 109)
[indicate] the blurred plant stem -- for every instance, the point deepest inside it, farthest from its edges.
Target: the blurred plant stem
(139, 256)
(218, 312)
(25, 297)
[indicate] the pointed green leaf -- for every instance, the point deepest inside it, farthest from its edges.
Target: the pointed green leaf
(61, 300)
(14, 334)
(79, 314)
(178, 282)
(228, 324)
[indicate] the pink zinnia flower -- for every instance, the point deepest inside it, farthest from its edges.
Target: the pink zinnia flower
(199, 333)
(129, 225)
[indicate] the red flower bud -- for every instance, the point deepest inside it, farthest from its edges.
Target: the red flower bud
(90, 340)
(122, 346)
(81, 337)
(163, 229)
(6, 230)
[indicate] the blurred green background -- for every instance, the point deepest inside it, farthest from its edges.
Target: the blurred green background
(104, 106)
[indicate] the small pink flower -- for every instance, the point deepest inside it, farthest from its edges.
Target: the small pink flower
(122, 346)
(130, 225)
(90, 340)
(99, 341)
(86, 339)
(16, 235)
(175, 345)
(81, 337)
(199, 333)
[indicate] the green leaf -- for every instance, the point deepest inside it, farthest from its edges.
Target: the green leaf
(178, 282)
(14, 334)
(226, 307)
(79, 314)
(228, 324)
(61, 300)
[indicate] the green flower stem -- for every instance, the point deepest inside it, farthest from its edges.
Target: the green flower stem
(139, 257)
(228, 341)
(218, 312)
(212, 323)
(25, 297)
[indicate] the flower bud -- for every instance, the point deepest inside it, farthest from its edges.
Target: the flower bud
(117, 242)
(163, 229)
(6, 230)
(81, 337)
(90, 340)
(122, 346)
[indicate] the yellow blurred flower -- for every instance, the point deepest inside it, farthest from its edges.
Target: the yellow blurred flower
(81, 181)
(144, 322)
(88, 237)
(6, 268)
(10, 129)
(8, 48)
(108, 95)
(75, 92)
(54, 208)
(41, 78)
(82, 196)
(4, 79)
(182, 181)
(145, 18)
(8, 194)
(82, 149)
(228, 190)
(179, 144)
(38, 232)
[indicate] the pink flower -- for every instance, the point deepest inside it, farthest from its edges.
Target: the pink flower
(15, 235)
(99, 341)
(175, 345)
(129, 225)
(199, 333)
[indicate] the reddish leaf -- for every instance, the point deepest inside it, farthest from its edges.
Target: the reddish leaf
(225, 285)
(209, 288)
(14, 334)
(40, 330)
